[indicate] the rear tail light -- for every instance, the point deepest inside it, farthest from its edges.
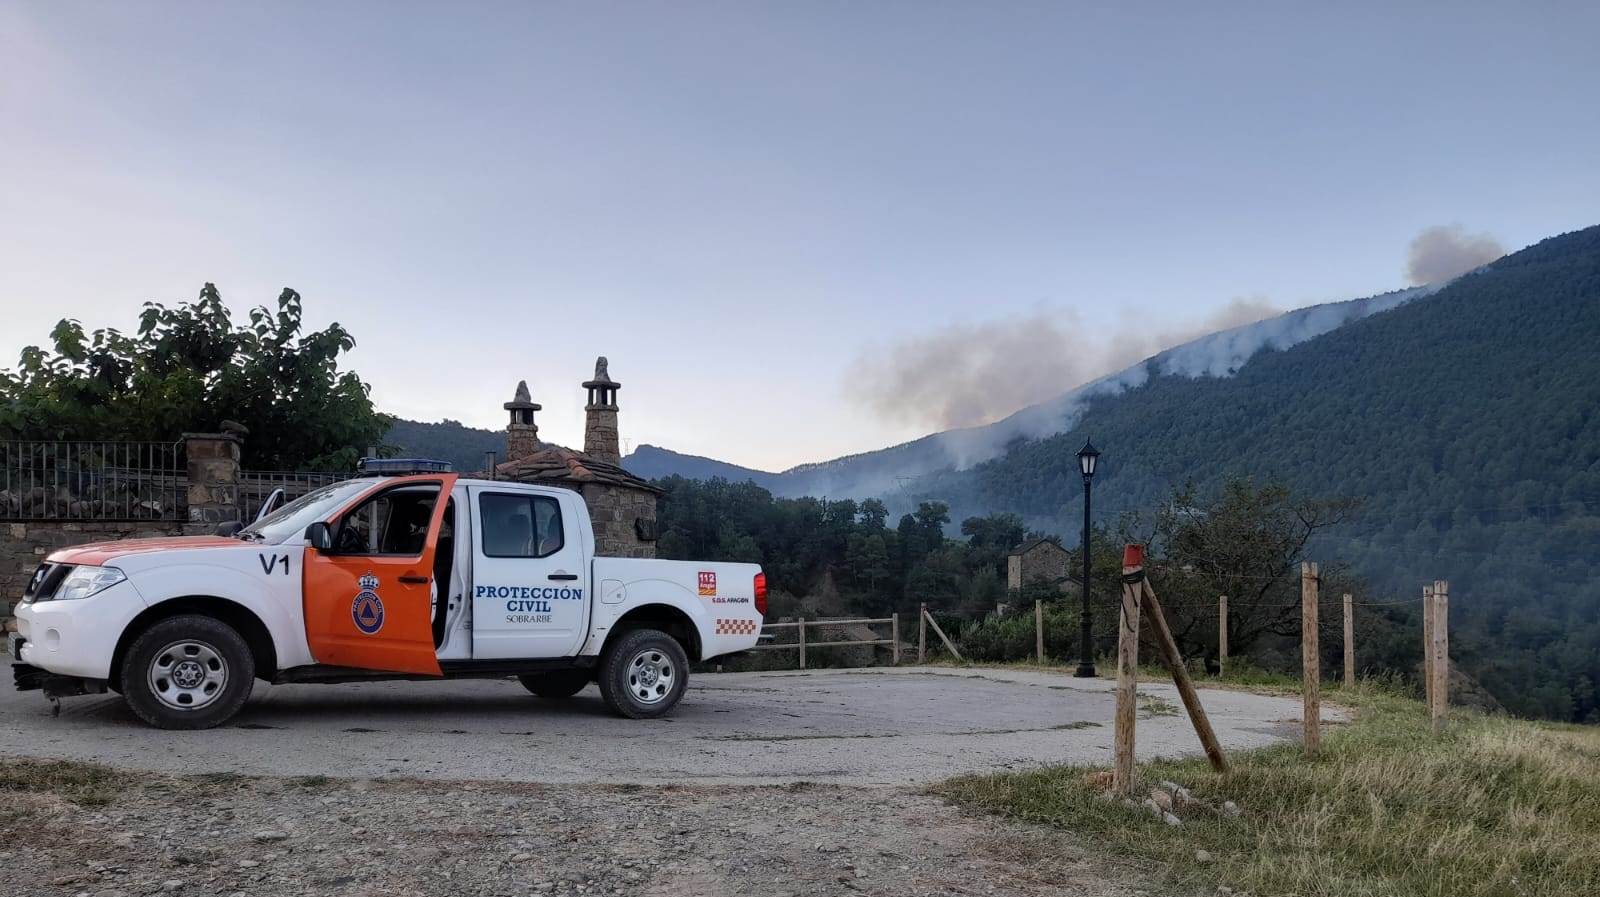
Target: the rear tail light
(761, 594)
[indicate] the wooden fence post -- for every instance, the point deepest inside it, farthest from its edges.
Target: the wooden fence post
(1127, 706)
(1038, 629)
(1310, 660)
(1441, 654)
(802, 630)
(1222, 636)
(948, 644)
(1427, 646)
(922, 633)
(1349, 641)
(1180, 678)
(894, 635)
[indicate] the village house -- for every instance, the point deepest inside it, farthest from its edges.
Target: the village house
(622, 506)
(1037, 561)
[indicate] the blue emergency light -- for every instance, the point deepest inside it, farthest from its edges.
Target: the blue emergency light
(393, 467)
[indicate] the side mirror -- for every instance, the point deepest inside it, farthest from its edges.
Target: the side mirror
(320, 537)
(230, 528)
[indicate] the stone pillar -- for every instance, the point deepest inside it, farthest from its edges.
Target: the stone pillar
(600, 434)
(522, 440)
(600, 439)
(522, 434)
(213, 464)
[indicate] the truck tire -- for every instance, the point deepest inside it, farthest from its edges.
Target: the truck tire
(187, 672)
(557, 685)
(643, 674)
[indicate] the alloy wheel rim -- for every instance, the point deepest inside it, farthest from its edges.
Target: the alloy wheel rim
(651, 676)
(188, 675)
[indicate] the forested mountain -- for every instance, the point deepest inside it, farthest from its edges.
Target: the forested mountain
(1467, 423)
(447, 440)
(464, 446)
(653, 462)
(884, 470)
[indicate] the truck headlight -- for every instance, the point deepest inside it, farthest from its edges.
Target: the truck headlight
(85, 581)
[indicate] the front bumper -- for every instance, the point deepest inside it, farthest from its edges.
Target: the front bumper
(75, 638)
(30, 678)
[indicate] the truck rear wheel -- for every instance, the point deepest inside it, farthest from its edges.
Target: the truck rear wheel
(187, 672)
(643, 674)
(557, 685)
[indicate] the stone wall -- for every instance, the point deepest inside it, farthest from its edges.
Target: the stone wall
(24, 545)
(614, 509)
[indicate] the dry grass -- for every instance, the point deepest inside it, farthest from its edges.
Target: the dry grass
(86, 784)
(1495, 806)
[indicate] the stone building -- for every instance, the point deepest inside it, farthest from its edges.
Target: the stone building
(622, 506)
(1037, 561)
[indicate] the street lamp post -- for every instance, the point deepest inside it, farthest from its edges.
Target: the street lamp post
(1086, 461)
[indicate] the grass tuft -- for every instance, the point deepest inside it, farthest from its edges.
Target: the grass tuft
(85, 784)
(1493, 807)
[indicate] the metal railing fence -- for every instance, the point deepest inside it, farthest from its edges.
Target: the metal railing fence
(110, 481)
(255, 486)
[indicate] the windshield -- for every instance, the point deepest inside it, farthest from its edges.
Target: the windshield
(291, 520)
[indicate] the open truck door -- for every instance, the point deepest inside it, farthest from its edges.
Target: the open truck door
(368, 588)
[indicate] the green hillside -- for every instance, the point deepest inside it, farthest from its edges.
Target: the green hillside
(448, 440)
(653, 462)
(1467, 424)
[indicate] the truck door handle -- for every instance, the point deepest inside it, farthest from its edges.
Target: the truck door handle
(414, 579)
(563, 576)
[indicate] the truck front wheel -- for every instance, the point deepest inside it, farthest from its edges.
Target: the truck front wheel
(643, 674)
(187, 672)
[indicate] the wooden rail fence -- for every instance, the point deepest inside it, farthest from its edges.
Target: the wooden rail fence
(801, 644)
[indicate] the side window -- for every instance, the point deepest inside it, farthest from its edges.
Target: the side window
(391, 522)
(520, 526)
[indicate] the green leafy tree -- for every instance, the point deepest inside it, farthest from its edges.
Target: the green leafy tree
(991, 538)
(874, 513)
(189, 368)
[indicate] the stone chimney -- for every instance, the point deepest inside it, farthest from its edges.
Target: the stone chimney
(600, 427)
(522, 434)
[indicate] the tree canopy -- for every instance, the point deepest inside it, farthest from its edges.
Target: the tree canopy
(188, 368)
(1245, 540)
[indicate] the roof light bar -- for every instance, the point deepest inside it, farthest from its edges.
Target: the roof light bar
(393, 467)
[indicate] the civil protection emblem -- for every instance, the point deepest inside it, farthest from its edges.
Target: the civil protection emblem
(367, 609)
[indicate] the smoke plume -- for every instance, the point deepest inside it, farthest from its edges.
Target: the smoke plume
(965, 375)
(1445, 251)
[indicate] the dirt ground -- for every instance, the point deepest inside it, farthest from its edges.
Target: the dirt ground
(147, 833)
(764, 784)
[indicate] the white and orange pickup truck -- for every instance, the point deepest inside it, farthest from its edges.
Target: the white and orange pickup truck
(409, 573)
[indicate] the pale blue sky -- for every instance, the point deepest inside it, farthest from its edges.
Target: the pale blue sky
(738, 202)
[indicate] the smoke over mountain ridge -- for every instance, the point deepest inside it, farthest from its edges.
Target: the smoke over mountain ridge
(1218, 354)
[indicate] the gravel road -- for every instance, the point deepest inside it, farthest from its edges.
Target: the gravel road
(228, 835)
(761, 783)
(859, 727)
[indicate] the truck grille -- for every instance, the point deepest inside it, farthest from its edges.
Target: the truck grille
(42, 585)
